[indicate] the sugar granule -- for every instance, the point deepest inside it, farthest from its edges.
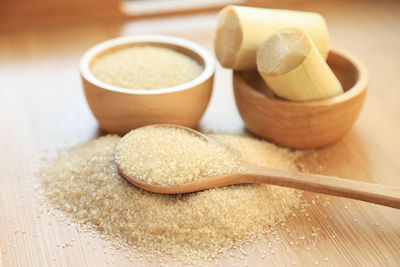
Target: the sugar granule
(86, 186)
(145, 67)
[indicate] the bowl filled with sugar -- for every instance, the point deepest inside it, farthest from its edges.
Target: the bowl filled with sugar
(139, 80)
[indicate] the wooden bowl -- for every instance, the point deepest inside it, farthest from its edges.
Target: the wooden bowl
(119, 110)
(307, 124)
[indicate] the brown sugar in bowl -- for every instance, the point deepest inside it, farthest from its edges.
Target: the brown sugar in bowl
(119, 110)
(307, 124)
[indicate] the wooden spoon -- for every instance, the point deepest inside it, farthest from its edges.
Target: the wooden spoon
(369, 192)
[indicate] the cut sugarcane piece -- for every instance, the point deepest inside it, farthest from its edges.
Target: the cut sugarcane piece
(241, 30)
(292, 67)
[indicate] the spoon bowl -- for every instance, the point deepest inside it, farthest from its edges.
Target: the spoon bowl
(250, 173)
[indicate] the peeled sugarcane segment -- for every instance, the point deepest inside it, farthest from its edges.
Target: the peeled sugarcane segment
(241, 30)
(293, 68)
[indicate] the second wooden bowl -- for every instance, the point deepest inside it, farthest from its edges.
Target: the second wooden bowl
(307, 124)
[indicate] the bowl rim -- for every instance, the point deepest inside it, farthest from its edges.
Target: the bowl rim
(209, 62)
(360, 85)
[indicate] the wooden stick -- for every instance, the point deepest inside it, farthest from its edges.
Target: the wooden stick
(241, 30)
(292, 67)
(374, 193)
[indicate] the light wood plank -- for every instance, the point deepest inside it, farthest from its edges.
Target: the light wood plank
(42, 107)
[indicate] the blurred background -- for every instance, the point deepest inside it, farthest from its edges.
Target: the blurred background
(25, 13)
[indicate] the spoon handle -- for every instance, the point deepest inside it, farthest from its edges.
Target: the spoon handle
(375, 193)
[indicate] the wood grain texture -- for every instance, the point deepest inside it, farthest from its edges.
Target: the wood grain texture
(303, 124)
(42, 106)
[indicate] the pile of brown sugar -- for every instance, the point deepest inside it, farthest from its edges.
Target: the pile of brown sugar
(86, 186)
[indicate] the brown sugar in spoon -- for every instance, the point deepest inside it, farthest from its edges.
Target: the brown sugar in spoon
(248, 173)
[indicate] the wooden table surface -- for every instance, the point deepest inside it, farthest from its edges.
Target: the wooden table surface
(42, 107)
